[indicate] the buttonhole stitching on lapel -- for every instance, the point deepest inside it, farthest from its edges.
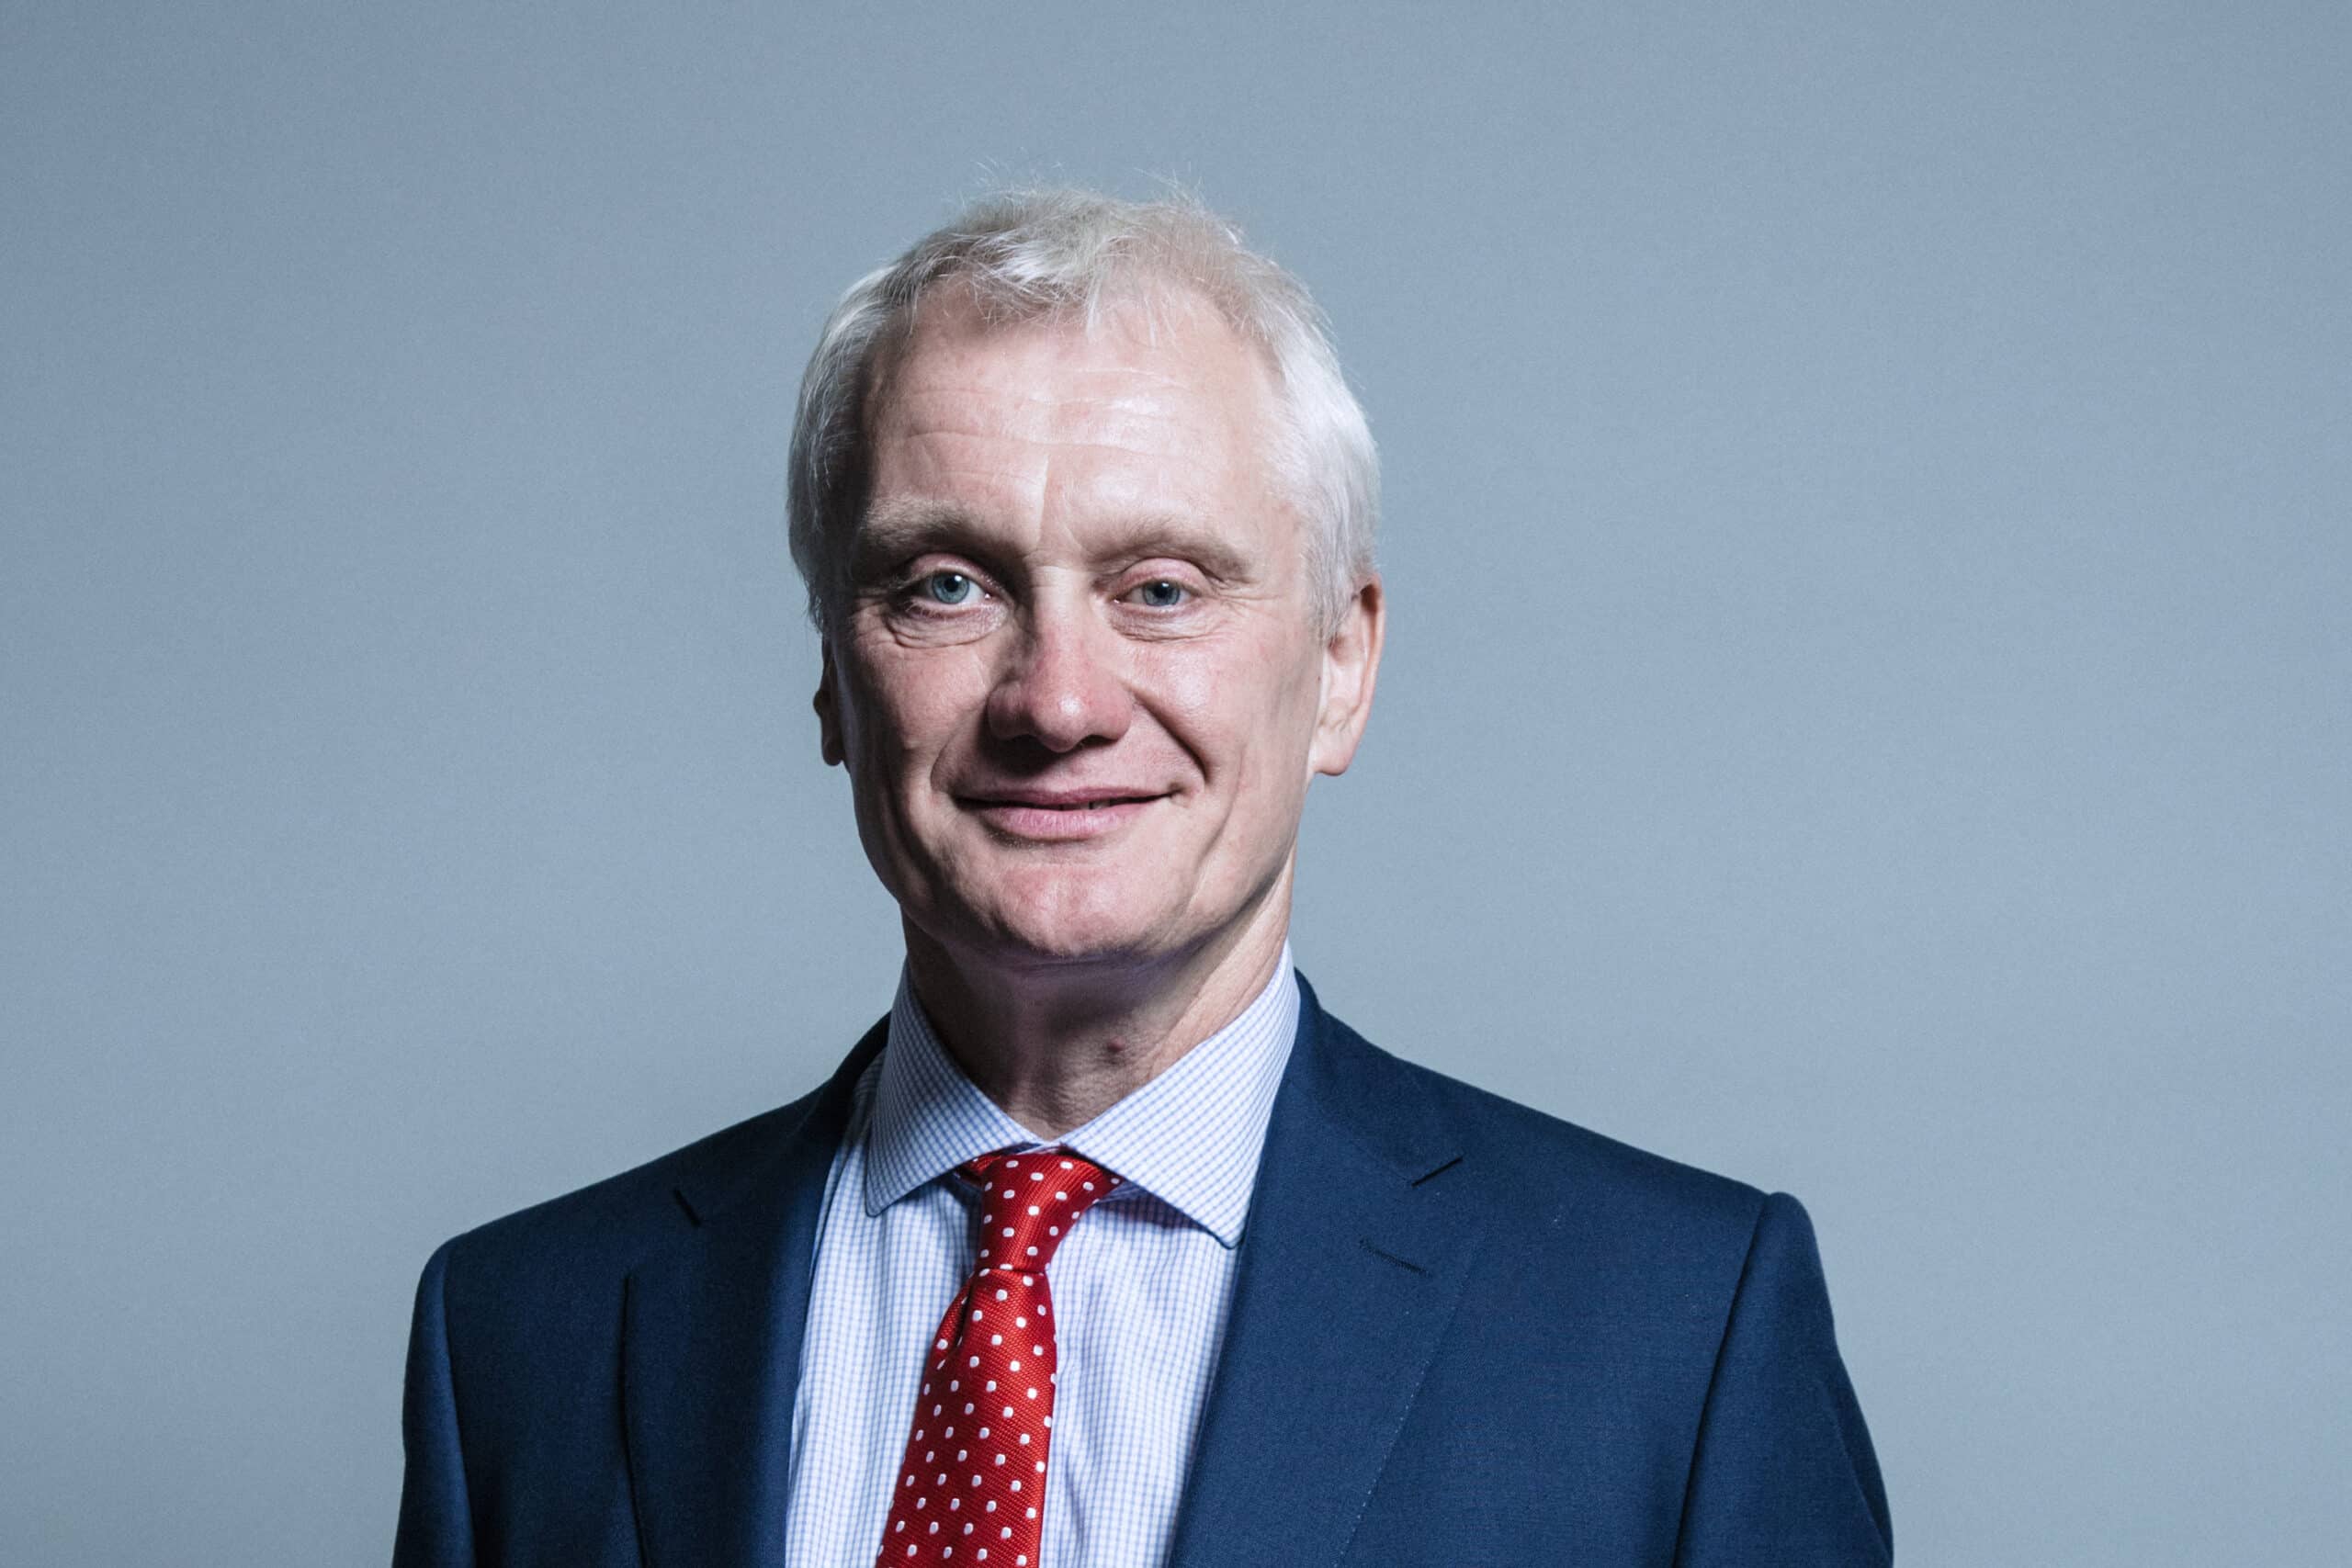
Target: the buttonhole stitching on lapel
(1400, 1262)
(1438, 1170)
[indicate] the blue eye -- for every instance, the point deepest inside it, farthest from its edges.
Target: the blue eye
(949, 588)
(1163, 595)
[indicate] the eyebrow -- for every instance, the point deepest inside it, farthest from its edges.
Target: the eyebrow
(895, 531)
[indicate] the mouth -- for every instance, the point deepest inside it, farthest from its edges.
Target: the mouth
(1059, 816)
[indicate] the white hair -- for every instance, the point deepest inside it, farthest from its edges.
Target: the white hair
(1029, 254)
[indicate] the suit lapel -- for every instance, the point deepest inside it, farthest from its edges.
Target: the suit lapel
(1354, 1258)
(711, 1335)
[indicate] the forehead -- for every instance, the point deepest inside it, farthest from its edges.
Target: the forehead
(1156, 382)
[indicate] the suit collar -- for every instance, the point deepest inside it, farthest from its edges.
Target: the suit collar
(1366, 1095)
(1354, 1225)
(1356, 1251)
(710, 1343)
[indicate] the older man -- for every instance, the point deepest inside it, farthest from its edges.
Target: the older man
(1109, 1245)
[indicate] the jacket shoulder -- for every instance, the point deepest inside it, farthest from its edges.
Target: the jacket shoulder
(604, 1227)
(1541, 1167)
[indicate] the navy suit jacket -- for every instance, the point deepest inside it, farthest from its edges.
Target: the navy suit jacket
(1463, 1332)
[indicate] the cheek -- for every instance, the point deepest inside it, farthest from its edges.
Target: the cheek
(1242, 709)
(910, 705)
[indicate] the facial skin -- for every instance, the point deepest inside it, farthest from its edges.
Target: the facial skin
(1078, 579)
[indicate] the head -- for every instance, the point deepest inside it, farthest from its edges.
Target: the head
(1085, 510)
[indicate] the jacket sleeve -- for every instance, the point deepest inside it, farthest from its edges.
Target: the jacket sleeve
(436, 1525)
(1783, 1473)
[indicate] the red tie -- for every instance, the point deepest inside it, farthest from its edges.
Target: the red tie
(972, 1488)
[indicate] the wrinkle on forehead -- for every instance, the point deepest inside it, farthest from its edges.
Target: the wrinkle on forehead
(948, 328)
(1040, 403)
(1063, 428)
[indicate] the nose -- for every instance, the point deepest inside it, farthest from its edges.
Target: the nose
(1063, 684)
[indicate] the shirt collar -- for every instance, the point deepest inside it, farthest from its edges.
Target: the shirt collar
(1191, 1137)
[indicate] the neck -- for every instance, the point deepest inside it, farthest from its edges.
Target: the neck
(1056, 1043)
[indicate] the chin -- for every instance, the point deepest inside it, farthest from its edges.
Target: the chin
(1067, 917)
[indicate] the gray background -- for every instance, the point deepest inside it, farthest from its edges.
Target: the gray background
(1866, 709)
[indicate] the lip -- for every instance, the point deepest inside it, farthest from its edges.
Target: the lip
(1060, 816)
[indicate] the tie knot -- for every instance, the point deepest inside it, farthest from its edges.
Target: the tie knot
(1028, 1201)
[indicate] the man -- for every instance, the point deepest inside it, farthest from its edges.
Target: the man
(1109, 1245)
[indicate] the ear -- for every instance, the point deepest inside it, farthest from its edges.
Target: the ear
(827, 703)
(1350, 665)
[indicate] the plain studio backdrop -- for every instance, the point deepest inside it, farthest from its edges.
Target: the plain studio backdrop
(1866, 709)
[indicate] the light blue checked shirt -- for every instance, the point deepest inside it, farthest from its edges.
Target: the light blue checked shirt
(1140, 1285)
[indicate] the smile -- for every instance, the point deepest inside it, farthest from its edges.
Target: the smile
(1057, 816)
